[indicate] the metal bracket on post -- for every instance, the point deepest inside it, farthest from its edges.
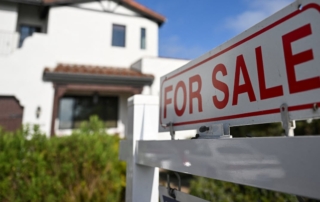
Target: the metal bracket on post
(215, 131)
(172, 132)
(287, 125)
(171, 190)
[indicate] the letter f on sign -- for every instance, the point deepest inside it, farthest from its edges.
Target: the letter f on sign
(167, 100)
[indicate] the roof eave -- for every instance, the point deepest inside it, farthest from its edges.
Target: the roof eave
(49, 2)
(159, 19)
(64, 2)
(57, 77)
(31, 2)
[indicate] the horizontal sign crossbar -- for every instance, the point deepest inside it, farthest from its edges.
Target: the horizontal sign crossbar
(285, 164)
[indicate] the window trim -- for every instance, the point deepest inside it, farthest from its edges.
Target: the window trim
(125, 35)
(145, 38)
(117, 115)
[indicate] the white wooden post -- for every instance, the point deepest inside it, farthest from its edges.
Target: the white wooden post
(142, 181)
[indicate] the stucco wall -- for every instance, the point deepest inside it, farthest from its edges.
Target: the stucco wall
(21, 75)
(8, 16)
(84, 36)
(159, 67)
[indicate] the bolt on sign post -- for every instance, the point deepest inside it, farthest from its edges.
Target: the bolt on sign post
(179, 196)
(247, 79)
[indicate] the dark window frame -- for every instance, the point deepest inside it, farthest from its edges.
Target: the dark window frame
(143, 36)
(37, 29)
(106, 118)
(115, 37)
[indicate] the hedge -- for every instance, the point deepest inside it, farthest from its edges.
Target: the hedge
(80, 167)
(215, 190)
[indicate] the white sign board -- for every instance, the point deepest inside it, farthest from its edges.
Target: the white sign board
(247, 79)
(180, 196)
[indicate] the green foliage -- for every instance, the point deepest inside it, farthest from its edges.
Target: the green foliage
(275, 129)
(218, 191)
(259, 130)
(305, 128)
(80, 167)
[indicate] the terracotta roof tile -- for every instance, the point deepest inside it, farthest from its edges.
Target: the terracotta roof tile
(87, 69)
(135, 5)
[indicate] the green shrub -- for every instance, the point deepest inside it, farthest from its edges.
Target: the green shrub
(219, 191)
(80, 167)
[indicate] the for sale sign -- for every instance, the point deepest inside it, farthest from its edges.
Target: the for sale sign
(247, 79)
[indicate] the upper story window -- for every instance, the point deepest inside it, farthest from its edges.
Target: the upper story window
(118, 35)
(143, 38)
(26, 31)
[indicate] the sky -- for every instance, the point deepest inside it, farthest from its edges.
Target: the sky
(195, 27)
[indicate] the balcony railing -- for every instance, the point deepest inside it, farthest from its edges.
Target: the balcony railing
(8, 42)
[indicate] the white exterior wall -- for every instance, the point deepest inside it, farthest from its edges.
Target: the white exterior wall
(76, 36)
(84, 36)
(8, 21)
(21, 75)
(8, 16)
(159, 67)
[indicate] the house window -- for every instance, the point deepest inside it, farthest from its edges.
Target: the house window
(143, 38)
(73, 110)
(118, 35)
(26, 31)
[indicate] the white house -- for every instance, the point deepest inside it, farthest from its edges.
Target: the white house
(67, 59)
